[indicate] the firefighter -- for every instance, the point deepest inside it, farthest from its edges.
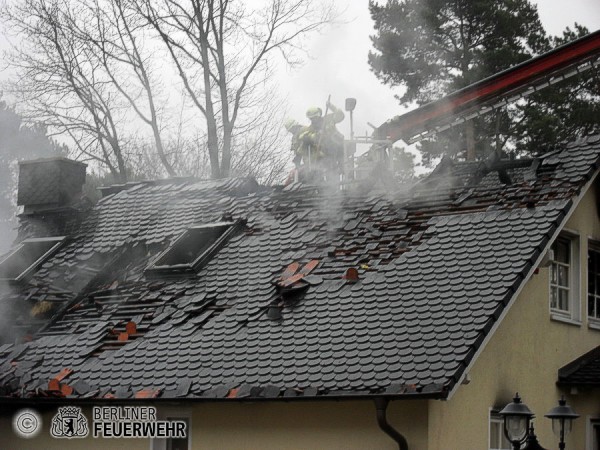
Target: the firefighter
(295, 129)
(321, 142)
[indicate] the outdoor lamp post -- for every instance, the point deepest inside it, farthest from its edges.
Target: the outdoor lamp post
(562, 420)
(516, 417)
(531, 440)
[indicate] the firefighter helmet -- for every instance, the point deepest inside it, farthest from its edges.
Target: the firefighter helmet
(313, 113)
(290, 124)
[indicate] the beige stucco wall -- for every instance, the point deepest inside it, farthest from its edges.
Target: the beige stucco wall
(314, 425)
(524, 355)
(343, 425)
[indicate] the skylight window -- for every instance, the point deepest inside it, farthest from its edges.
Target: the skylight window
(194, 248)
(27, 257)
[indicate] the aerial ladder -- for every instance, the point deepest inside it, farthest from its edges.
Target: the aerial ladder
(475, 100)
(494, 92)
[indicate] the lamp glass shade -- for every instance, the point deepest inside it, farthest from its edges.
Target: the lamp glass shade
(562, 418)
(516, 427)
(516, 417)
(559, 423)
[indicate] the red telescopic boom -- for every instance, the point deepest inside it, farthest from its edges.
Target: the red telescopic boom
(496, 91)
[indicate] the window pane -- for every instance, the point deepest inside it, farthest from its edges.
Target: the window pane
(563, 276)
(495, 435)
(563, 299)
(27, 254)
(560, 275)
(505, 444)
(593, 284)
(497, 439)
(561, 251)
(181, 443)
(191, 246)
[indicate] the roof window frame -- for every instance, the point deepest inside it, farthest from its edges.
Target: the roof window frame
(33, 267)
(153, 269)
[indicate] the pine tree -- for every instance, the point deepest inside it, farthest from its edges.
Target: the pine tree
(434, 47)
(562, 112)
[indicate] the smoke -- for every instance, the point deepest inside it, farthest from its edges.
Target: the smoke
(18, 142)
(7, 314)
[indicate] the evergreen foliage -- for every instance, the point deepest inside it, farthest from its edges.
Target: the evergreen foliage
(435, 47)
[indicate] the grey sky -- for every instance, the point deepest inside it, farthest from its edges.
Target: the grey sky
(339, 65)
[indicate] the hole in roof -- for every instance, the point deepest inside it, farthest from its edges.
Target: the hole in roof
(194, 248)
(27, 257)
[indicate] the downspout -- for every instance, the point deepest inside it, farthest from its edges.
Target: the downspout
(381, 405)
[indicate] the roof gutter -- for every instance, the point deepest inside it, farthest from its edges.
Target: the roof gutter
(94, 401)
(381, 404)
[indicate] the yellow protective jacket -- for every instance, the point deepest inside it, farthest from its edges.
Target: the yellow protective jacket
(322, 138)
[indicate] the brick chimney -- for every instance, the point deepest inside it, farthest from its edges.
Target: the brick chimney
(49, 184)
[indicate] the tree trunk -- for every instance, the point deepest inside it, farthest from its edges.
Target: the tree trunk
(211, 121)
(161, 151)
(226, 156)
(120, 161)
(213, 148)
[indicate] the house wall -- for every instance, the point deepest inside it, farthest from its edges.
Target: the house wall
(315, 425)
(326, 425)
(524, 355)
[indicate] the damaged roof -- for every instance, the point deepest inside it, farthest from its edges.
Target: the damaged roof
(320, 293)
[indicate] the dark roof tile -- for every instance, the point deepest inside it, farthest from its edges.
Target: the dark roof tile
(429, 287)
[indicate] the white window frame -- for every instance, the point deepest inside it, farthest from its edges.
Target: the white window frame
(573, 314)
(591, 422)
(593, 321)
(494, 417)
(172, 413)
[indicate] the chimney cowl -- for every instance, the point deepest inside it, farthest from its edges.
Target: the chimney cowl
(49, 183)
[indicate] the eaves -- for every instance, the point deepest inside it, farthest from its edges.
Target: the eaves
(49, 402)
